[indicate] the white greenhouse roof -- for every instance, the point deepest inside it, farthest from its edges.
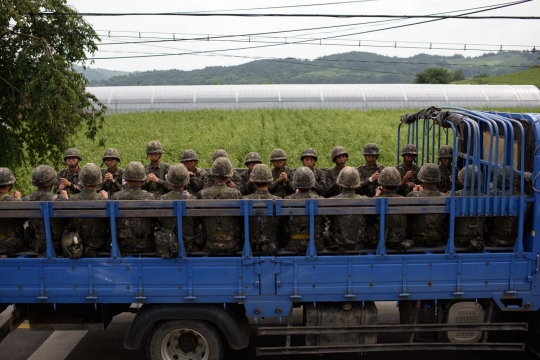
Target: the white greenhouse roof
(122, 99)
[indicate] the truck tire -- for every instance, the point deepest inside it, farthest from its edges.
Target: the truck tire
(185, 339)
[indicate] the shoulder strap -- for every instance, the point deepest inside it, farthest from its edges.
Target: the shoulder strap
(3, 196)
(173, 196)
(161, 171)
(133, 194)
(88, 196)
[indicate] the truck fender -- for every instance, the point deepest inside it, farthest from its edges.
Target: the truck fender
(234, 326)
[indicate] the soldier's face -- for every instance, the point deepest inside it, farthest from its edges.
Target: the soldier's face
(408, 159)
(72, 162)
(111, 163)
(446, 162)
(371, 159)
(190, 165)
(308, 161)
(251, 165)
(340, 160)
(154, 157)
(278, 164)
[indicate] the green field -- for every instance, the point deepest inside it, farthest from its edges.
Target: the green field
(527, 77)
(242, 131)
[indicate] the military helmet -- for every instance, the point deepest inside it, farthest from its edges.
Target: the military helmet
(90, 175)
(348, 178)
(222, 167)
(389, 177)
(178, 175)
(507, 170)
(446, 152)
(219, 153)
(72, 152)
(371, 149)
(409, 149)
(469, 170)
(429, 173)
(303, 178)
(134, 171)
(339, 150)
(278, 154)
(261, 173)
(309, 152)
(253, 157)
(6, 177)
(189, 155)
(43, 176)
(111, 153)
(154, 147)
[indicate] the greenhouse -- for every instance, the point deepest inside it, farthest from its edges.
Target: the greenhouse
(123, 99)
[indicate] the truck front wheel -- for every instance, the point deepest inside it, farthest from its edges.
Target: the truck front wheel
(185, 339)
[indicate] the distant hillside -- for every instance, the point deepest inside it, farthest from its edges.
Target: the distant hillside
(527, 77)
(346, 68)
(99, 74)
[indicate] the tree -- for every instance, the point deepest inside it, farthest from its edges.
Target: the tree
(42, 98)
(433, 76)
(458, 75)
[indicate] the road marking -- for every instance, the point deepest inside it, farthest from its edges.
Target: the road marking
(58, 346)
(24, 326)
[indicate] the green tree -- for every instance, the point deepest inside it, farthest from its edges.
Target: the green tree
(433, 76)
(458, 75)
(42, 98)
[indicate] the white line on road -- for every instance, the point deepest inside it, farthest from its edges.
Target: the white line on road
(58, 346)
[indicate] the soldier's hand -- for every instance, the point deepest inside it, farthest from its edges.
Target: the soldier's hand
(152, 178)
(378, 191)
(63, 193)
(411, 184)
(65, 182)
(17, 194)
(374, 177)
(417, 187)
(408, 175)
(230, 184)
(283, 177)
(190, 173)
(61, 187)
(108, 177)
(104, 194)
(297, 191)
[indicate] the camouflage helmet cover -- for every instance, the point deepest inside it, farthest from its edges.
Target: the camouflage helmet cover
(446, 152)
(371, 149)
(339, 150)
(507, 170)
(134, 171)
(303, 178)
(6, 177)
(253, 157)
(154, 147)
(43, 176)
(469, 170)
(219, 153)
(178, 175)
(72, 152)
(90, 175)
(222, 167)
(278, 154)
(261, 173)
(390, 177)
(189, 155)
(348, 178)
(429, 173)
(309, 152)
(409, 149)
(111, 153)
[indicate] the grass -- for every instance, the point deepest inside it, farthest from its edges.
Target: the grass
(527, 77)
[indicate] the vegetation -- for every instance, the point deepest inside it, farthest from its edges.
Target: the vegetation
(433, 76)
(527, 77)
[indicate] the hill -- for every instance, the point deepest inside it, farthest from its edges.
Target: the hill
(347, 68)
(527, 77)
(99, 74)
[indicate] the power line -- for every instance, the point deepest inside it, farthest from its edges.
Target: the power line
(288, 6)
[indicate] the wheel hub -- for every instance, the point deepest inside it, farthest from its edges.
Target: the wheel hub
(184, 344)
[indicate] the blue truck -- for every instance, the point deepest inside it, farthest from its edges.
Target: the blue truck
(194, 305)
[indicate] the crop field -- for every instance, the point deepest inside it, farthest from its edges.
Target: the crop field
(242, 131)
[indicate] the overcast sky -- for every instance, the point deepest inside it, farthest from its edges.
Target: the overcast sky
(452, 34)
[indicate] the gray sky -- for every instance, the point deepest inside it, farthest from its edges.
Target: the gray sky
(451, 34)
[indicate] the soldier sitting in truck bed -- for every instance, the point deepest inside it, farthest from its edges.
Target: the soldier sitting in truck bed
(11, 230)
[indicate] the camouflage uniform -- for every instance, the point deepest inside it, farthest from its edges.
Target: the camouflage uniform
(11, 230)
(367, 187)
(191, 242)
(161, 187)
(73, 178)
(118, 174)
(208, 180)
(332, 188)
(469, 230)
(408, 149)
(196, 180)
(445, 185)
(320, 175)
(263, 230)
(282, 189)
(248, 187)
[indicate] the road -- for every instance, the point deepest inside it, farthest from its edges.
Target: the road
(24, 344)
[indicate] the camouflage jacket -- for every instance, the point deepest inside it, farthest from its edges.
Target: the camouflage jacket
(468, 227)
(109, 186)
(263, 230)
(282, 189)
(502, 230)
(72, 178)
(249, 187)
(332, 188)
(188, 223)
(196, 181)
(94, 232)
(320, 182)
(136, 228)
(298, 227)
(12, 237)
(348, 231)
(403, 189)
(367, 188)
(445, 185)
(208, 181)
(427, 229)
(161, 171)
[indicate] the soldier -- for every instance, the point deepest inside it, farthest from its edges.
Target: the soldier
(408, 170)
(68, 179)
(282, 185)
(469, 230)
(298, 226)
(135, 235)
(93, 232)
(370, 172)
(309, 158)
(156, 171)
(165, 238)
(234, 181)
(348, 231)
(395, 225)
(252, 159)
(112, 175)
(196, 175)
(222, 233)
(426, 229)
(339, 157)
(263, 230)
(11, 230)
(445, 157)
(44, 178)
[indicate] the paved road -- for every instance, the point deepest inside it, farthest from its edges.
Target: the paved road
(108, 345)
